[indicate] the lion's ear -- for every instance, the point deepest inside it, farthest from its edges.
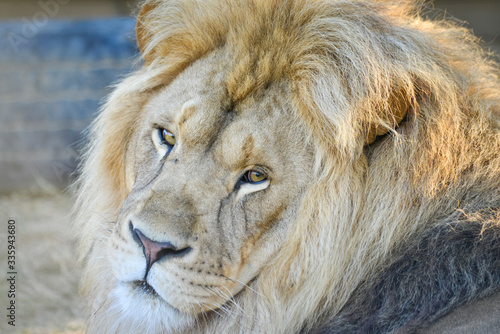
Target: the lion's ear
(142, 33)
(397, 108)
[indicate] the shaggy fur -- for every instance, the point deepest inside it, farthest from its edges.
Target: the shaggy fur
(391, 232)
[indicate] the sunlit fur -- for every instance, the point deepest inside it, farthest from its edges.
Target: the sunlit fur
(344, 60)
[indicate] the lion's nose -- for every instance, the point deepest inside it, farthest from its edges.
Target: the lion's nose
(155, 251)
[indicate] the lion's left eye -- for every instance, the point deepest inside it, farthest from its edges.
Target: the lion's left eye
(253, 177)
(167, 137)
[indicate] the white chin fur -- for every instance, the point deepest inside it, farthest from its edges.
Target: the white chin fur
(143, 313)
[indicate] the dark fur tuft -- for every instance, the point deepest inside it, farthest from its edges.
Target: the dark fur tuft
(445, 267)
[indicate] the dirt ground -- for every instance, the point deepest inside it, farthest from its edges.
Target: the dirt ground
(46, 283)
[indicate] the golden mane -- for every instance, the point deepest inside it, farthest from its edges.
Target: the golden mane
(342, 67)
(349, 64)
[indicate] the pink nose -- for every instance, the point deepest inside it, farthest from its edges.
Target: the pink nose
(155, 251)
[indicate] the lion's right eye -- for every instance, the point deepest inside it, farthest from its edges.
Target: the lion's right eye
(164, 140)
(166, 137)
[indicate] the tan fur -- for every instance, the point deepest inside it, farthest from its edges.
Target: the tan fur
(330, 72)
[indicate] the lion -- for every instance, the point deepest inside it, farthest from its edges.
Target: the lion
(293, 166)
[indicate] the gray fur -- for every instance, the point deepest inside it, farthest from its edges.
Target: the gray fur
(455, 263)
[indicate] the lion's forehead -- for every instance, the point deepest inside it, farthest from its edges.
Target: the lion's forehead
(198, 107)
(251, 139)
(193, 104)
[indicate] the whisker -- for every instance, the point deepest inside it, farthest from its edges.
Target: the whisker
(245, 285)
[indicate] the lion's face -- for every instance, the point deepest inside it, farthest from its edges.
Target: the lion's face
(291, 166)
(214, 185)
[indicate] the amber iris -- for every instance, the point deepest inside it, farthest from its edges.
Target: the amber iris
(167, 137)
(254, 177)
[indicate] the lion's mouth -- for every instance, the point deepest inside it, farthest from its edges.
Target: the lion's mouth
(144, 287)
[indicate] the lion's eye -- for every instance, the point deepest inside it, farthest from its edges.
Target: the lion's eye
(253, 177)
(167, 137)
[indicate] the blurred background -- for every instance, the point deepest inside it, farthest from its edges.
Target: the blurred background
(58, 61)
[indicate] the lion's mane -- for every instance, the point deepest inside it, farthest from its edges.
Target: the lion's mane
(393, 233)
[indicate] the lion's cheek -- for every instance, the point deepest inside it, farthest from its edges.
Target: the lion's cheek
(264, 240)
(256, 253)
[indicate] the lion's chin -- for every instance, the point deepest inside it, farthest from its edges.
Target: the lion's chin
(142, 310)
